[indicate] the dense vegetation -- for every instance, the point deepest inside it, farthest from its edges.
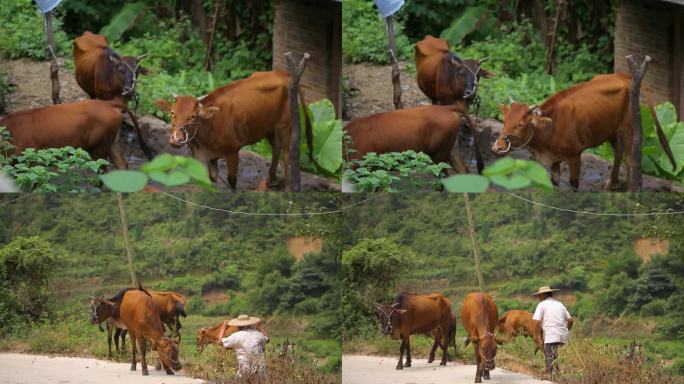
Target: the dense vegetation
(62, 249)
(421, 243)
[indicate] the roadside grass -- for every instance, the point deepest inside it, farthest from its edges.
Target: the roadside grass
(309, 361)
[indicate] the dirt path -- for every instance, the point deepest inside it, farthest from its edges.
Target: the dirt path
(371, 88)
(35, 369)
(31, 89)
(381, 370)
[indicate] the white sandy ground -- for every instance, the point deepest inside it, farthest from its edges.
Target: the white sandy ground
(381, 370)
(34, 369)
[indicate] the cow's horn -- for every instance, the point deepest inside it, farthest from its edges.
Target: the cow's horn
(142, 56)
(484, 59)
(395, 305)
(174, 95)
(511, 100)
(201, 97)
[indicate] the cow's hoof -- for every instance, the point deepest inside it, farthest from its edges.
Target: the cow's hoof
(442, 363)
(430, 360)
(133, 368)
(158, 366)
(400, 367)
(169, 372)
(486, 376)
(478, 380)
(145, 372)
(407, 365)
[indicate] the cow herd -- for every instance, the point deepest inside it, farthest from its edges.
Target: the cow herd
(432, 315)
(150, 318)
(559, 130)
(215, 126)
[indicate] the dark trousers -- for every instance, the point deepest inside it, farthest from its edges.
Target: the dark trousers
(551, 354)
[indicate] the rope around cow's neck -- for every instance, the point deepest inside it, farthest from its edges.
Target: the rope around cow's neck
(507, 138)
(388, 324)
(183, 128)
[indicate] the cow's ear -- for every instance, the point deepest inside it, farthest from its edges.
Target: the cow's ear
(144, 71)
(208, 112)
(542, 122)
(401, 311)
(504, 109)
(500, 341)
(487, 74)
(163, 105)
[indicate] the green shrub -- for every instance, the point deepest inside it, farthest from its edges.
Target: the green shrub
(364, 38)
(23, 32)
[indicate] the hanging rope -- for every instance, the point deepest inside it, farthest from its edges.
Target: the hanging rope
(594, 213)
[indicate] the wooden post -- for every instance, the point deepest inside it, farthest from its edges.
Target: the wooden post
(296, 71)
(127, 243)
(473, 240)
(637, 129)
(396, 72)
(54, 66)
(560, 5)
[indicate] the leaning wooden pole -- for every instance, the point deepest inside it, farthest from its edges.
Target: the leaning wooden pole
(127, 242)
(637, 129)
(52, 52)
(396, 72)
(296, 71)
(473, 240)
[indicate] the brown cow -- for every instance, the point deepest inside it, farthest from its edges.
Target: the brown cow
(90, 124)
(102, 310)
(235, 115)
(170, 305)
(479, 317)
(431, 129)
(103, 74)
(137, 311)
(410, 314)
(516, 323)
(581, 117)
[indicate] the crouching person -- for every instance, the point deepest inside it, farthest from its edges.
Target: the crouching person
(249, 345)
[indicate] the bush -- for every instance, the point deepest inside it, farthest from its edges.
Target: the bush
(364, 38)
(23, 32)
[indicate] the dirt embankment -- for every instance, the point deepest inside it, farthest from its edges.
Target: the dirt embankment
(30, 82)
(370, 87)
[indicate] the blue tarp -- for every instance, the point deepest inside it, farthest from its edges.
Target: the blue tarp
(389, 7)
(46, 6)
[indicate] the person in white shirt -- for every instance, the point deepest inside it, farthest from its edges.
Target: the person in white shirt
(556, 323)
(249, 345)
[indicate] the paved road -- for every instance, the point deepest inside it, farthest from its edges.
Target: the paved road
(34, 369)
(381, 370)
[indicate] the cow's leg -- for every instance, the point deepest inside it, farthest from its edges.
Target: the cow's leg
(575, 163)
(431, 357)
(232, 160)
(133, 362)
(123, 339)
(618, 150)
(400, 364)
(275, 157)
(455, 159)
(109, 341)
(408, 352)
(555, 173)
(445, 348)
(117, 335)
(479, 362)
(485, 375)
(212, 167)
(116, 156)
(143, 345)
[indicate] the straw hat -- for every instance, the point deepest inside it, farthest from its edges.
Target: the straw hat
(544, 289)
(243, 321)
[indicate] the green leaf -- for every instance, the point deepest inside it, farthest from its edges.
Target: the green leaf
(124, 181)
(172, 179)
(511, 183)
(327, 132)
(465, 24)
(538, 175)
(502, 166)
(163, 162)
(466, 184)
(123, 21)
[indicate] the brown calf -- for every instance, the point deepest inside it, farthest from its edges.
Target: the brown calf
(520, 323)
(170, 305)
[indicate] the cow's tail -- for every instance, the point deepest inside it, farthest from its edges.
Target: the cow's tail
(661, 135)
(452, 333)
(307, 127)
(143, 145)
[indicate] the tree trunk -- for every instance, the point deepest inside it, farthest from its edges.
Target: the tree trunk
(638, 131)
(127, 243)
(473, 240)
(199, 19)
(296, 72)
(54, 65)
(396, 72)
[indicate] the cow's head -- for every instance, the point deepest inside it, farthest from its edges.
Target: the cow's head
(487, 344)
(131, 68)
(520, 123)
(471, 71)
(187, 113)
(99, 307)
(168, 353)
(389, 316)
(202, 339)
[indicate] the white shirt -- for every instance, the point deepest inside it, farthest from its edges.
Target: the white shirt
(249, 347)
(554, 318)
